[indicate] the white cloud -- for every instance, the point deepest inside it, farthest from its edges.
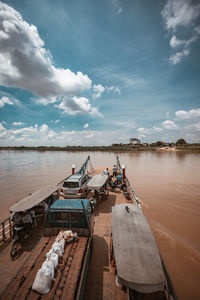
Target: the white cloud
(45, 101)
(174, 42)
(98, 90)
(26, 130)
(32, 134)
(5, 100)
(193, 127)
(143, 132)
(51, 134)
(113, 89)
(177, 14)
(157, 129)
(3, 135)
(180, 13)
(86, 125)
(17, 124)
(2, 128)
(44, 128)
(167, 115)
(126, 124)
(197, 30)
(77, 105)
(141, 136)
(55, 122)
(177, 57)
(117, 6)
(188, 115)
(89, 136)
(26, 64)
(170, 125)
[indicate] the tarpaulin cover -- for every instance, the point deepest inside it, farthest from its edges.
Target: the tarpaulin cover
(97, 181)
(136, 254)
(35, 198)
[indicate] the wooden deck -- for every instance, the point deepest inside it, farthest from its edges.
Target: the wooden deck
(100, 280)
(66, 275)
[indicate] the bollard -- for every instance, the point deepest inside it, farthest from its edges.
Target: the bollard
(123, 172)
(73, 168)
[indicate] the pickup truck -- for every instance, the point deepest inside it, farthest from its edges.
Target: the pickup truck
(69, 278)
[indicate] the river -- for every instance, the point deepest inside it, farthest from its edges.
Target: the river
(167, 183)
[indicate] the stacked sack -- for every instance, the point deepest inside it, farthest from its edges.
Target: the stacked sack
(45, 274)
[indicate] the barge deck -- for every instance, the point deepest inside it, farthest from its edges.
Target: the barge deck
(100, 280)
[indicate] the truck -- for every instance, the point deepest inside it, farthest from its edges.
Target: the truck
(70, 273)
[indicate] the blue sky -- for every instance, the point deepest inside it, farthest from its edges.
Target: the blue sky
(99, 72)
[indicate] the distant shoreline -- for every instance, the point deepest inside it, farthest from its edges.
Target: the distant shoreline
(120, 148)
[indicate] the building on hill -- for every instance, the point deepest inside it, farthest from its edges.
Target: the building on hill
(134, 141)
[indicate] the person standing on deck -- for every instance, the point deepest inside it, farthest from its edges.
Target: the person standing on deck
(106, 171)
(27, 221)
(114, 171)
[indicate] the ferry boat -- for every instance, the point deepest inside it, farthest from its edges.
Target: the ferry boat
(114, 255)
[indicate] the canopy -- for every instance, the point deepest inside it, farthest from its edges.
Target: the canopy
(35, 198)
(97, 181)
(136, 254)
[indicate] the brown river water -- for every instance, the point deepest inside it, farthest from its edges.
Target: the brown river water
(167, 183)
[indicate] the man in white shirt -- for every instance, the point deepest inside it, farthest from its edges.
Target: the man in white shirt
(106, 171)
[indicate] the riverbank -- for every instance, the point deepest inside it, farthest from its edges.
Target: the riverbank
(114, 148)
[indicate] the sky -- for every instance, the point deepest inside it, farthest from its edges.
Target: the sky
(99, 72)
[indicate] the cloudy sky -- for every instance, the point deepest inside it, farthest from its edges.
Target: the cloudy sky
(99, 72)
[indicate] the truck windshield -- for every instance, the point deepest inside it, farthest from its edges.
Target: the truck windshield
(70, 185)
(67, 220)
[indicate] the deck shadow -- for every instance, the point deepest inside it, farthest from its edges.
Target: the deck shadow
(105, 206)
(98, 264)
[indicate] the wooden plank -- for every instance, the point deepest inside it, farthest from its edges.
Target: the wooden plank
(25, 288)
(74, 272)
(13, 286)
(108, 286)
(59, 273)
(66, 270)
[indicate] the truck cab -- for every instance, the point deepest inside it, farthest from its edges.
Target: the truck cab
(73, 214)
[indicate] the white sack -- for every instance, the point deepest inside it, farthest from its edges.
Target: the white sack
(42, 282)
(62, 243)
(57, 248)
(54, 259)
(48, 266)
(48, 255)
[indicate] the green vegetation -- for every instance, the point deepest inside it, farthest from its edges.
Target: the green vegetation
(181, 144)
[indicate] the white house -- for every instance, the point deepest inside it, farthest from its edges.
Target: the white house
(134, 141)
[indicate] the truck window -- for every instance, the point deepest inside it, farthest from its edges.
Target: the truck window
(75, 220)
(83, 180)
(83, 222)
(58, 219)
(70, 185)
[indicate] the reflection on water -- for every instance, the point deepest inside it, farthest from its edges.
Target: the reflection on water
(167, 183)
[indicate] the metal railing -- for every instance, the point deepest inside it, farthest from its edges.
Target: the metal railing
(5, 230)
(132, 193)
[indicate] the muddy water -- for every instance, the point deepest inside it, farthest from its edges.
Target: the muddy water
(168, 185)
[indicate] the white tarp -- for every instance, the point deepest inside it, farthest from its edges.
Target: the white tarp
(97, 181)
